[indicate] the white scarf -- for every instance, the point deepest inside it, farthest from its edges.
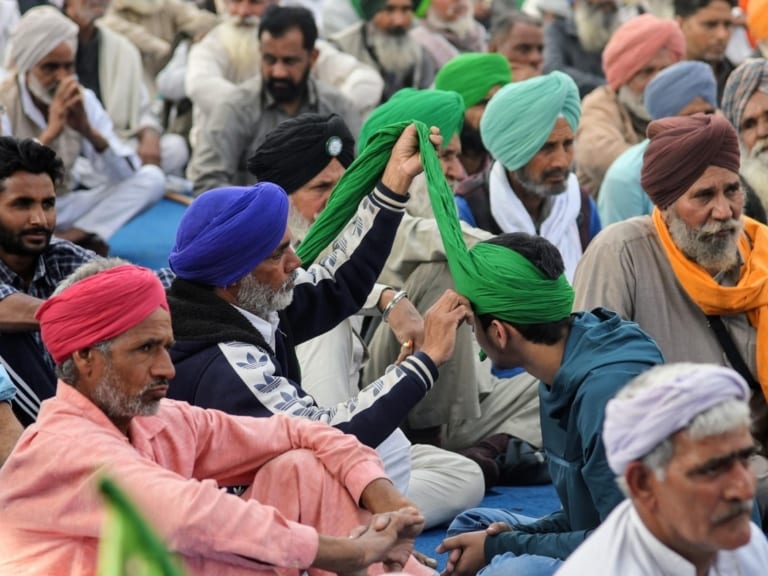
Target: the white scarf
(560, 227)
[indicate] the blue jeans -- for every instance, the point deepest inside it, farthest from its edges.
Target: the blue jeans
(508, 563)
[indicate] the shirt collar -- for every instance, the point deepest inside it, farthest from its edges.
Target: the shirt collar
(266, 327)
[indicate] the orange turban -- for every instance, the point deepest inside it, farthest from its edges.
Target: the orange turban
(99, 308)
(680, 151)
(757, 19)
(635, 42)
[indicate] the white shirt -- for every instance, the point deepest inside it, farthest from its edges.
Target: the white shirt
(623, 545)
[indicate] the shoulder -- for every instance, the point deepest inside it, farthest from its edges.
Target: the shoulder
(624, 234)
(116, 40)
(601, 99)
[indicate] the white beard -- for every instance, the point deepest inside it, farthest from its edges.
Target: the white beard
(634, 102)
(754, 169)
(396, 54)
(241, 43)
(298, 224)
(594, 27)
(462, 27)
(699, 245)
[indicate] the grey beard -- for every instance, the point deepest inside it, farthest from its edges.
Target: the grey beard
(701, 246)
(634, 103)
(754, 169)
(260, 299)
(396, 54)
(298, 225)
(42, 93)
(241, 43)
(462, 27)
(539, 189)
(111, 399)
(594, 27)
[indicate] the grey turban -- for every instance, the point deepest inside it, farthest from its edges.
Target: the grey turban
(38, 32)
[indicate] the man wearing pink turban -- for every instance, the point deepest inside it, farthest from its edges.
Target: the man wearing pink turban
(614, 116)
(109, 330)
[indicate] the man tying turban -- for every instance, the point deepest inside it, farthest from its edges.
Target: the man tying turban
(522, 301)
(239, 313)
(692, 274)
(382, 40)
(615, 116)
(109, 331)
(677, 437)
(528, 127)
(745, 104)
(104, 184)
(476, 77)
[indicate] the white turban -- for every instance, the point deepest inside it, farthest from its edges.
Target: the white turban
(38, 32)
(635, 425)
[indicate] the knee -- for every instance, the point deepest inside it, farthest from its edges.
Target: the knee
(150, 180)
(472, 520)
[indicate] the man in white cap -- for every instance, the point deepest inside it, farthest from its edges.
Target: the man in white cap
(678, 439)
(104, 183)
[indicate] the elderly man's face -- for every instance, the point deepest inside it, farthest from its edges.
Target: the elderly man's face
(705, 222)
(247, 12)
(285, 65)
(704, 502)
(524, 48)
(395, 17)
(708, 31)
(44, 77)
(310, 199)
(656, 64)
(132, 377)
(27, 214)
(547, 172)
(449, 10)
(449, 161)
(754, 126)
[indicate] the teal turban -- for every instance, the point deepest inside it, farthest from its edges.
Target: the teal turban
(473, 74)
(432, 107)
(495, 279)
(520, 117)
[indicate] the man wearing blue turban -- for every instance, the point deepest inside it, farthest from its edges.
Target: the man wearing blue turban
(241, 303)
(528, 127)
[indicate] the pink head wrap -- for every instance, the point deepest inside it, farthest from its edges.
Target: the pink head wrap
(635, 42)
(635, 425)
(99, 308)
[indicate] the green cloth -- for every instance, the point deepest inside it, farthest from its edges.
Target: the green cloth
(495, 279)
(432, 107)
(473, 74)
(519, 118)
(128, 546)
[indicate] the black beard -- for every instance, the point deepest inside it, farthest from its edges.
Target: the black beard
(12, 243)
(286, 91)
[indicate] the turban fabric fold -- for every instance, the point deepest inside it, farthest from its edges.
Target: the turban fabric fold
(300, 148)
(757, 19)
(749, 77)
(99, 308)
(672, 89)
(472, 75)
(520, 117)
(432, 107)
(494, 278)
(680, 151)
(635, 425)
(226, 232)
(367, 8)
(635, 42)
(37, 33)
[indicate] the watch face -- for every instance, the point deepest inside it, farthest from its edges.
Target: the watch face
(333, 146)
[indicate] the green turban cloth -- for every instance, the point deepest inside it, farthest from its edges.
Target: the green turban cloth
(473, 74)
(520, 117)
(431, 107)
(495, 279)
(367, 9)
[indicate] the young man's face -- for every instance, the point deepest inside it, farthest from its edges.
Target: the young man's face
(27, 214)
(707, 31)
(285, 65)
(703, 504)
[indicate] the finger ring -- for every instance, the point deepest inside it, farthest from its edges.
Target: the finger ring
(407, 344)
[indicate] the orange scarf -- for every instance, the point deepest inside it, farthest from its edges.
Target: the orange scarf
(750, 295)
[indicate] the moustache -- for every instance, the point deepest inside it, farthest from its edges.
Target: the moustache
(760, 146)
(555, 172)
(734, 510)
(713, 228)
(37, 230)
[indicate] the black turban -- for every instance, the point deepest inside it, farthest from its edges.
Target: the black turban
(300, 148)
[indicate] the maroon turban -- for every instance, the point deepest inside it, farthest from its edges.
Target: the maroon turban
(99, 308)
(680, 151)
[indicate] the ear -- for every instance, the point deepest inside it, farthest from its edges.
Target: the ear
(642, 483)
(497, 332)
(313, 56)
(83, 360)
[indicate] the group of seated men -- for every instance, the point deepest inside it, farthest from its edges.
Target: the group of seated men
(331, 195)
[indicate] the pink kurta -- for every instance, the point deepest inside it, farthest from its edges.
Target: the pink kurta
(172, 465)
